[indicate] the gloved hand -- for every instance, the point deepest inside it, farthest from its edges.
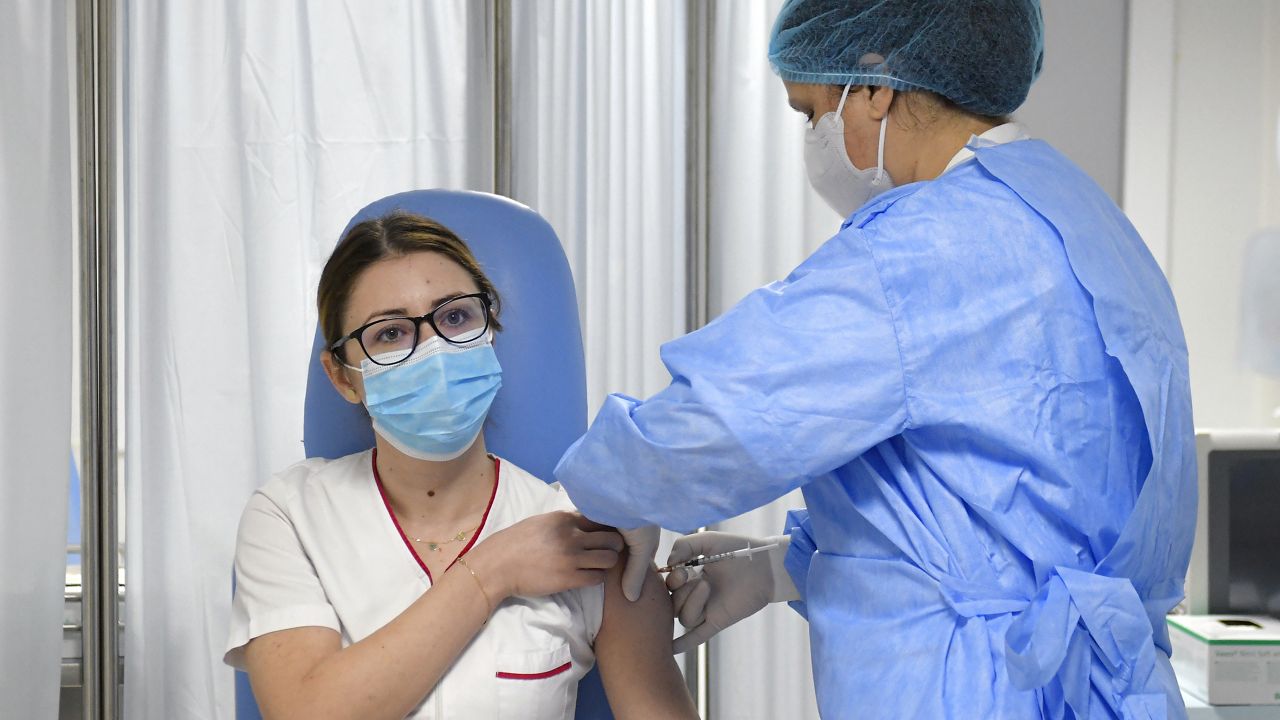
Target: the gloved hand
(712, 597)
(642, 543)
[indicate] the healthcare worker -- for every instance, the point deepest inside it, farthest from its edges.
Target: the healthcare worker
(979, 383)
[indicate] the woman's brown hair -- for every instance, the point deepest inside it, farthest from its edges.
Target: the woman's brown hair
(395, 234)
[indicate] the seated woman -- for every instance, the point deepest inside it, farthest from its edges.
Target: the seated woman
(426, 578)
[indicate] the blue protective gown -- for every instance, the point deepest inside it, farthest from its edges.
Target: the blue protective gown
(980, 383)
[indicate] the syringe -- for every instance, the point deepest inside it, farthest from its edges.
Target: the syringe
(708, 559)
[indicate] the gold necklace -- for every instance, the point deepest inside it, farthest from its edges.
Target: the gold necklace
(436, 545)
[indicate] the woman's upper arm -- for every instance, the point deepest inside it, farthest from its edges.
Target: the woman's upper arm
(633, 649)
(282, 624)
(279, 661)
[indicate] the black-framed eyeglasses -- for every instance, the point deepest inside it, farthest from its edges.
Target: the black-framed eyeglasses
(388, 341)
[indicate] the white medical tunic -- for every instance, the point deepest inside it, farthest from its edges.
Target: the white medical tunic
(319, 546)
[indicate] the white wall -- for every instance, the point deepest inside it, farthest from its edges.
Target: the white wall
(1077, 104)
(1202, 177)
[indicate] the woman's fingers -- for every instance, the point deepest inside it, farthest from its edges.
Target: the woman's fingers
(582, 522)
(607, 540)
(587, 578)
(597, 559)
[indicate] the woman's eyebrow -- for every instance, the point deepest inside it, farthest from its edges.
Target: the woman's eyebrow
(380, 313)
(442, 300)
(404, 312)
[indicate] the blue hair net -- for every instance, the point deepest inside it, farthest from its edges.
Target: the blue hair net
(981, 55)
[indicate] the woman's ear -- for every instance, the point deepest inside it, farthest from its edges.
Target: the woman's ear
(879, 98)
(337, 373)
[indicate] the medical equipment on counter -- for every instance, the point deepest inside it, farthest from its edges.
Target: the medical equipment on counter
(1235, 562)
(708, 559)
(1227, 659)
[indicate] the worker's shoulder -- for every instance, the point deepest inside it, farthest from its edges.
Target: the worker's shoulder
(959, 217)
(961, 196)
(529, 493)
(330, 477)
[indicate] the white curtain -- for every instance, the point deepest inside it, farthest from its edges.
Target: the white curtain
(599, 150)
(252, 132)
(36, 261)
(764, 220)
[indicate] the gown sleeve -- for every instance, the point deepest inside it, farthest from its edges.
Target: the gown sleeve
(799, 554)
(794, 381)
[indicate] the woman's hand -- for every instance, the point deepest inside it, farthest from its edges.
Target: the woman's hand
(545, 554)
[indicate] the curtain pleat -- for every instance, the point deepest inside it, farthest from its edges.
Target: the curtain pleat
(599, 150)
(764, 219)
(37, 204)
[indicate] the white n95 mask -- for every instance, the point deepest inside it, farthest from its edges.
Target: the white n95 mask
(844, 187)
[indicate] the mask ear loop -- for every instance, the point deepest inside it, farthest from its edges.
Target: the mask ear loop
(880, 173)
(884, 124)
(840, 107)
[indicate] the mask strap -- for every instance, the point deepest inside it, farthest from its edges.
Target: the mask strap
(884, 123)
(840, 107)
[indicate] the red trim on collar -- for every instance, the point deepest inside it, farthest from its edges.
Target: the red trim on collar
(377, 479)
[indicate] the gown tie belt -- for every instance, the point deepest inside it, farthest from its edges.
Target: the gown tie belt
(1080, 628)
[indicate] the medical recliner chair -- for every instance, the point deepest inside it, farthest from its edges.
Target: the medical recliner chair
(542, 406)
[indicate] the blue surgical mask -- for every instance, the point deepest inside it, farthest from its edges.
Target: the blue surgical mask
(433, 405)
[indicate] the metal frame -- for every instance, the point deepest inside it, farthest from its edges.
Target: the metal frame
(500, 43)
(698, 28)
(429, 318)
(96, 100)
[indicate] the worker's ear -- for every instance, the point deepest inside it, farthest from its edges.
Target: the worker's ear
(341, 377)
(878, 101)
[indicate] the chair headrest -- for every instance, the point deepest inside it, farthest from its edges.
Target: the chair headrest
(541, 408)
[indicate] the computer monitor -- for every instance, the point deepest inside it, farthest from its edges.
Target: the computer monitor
(1235, 562)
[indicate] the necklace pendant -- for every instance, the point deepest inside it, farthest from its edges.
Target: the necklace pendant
(433, 547)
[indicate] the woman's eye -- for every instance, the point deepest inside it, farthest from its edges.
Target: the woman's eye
(390, 335)
(455, 317)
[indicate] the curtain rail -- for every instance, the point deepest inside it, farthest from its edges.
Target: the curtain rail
(698, 37)
(698, 34)
(95, 123)
(500, 20)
